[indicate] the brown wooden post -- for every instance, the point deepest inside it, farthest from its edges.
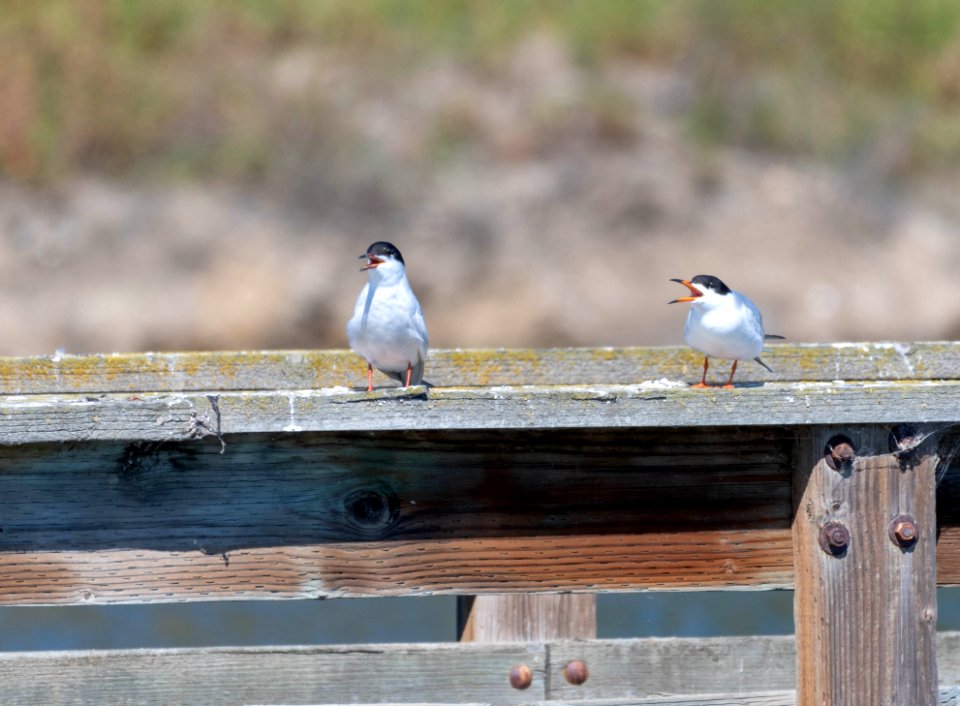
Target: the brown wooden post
(864, 540)
(521, 617)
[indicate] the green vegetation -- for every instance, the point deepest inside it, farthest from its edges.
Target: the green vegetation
(139, 86)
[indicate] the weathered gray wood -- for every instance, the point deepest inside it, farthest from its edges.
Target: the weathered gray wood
(767, 698)
(654, 666)
(865, 615)
(174, 417)
(312, 515)
(947, 697)
(527, 617)
(272, 370)
(948, 657)
(211, 676)
(736, 671)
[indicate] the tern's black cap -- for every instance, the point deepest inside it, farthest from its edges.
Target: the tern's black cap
(383, 248)
(710, 282)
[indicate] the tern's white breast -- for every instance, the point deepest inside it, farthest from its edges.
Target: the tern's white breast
(387, 327)
(732, 329)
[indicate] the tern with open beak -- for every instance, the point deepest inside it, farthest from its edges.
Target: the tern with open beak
(722, 323)
(387, 327)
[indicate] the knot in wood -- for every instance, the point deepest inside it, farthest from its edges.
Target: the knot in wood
(834, 538)
(520, 676)
(371, 510)
(903, 531)
(576, 672)
(839, 453)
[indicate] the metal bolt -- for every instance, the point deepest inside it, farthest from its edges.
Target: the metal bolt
(576, 672)
(834, 538)
(903, 531)
(839, 453)
(520, 676)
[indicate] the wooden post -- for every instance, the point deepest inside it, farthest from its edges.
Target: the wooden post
(522, 617)
(864, 540)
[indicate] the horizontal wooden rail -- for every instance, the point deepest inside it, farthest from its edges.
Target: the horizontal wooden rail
(170, 397)
(738, 671)
(126, 497)
(301, 370)
(182, 416)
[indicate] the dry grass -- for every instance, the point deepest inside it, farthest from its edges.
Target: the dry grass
(136, 87)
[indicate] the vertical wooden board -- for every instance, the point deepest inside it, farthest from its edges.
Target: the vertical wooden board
(865, 614)
(527, 618)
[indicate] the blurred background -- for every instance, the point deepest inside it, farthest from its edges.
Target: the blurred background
(203, 175)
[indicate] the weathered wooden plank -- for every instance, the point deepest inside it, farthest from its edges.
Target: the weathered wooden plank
(272, 370)
(212, 676)
(755, 671)
(948, 696)
(586, 563)
(172, 417)
(865, 607)
(394, 513)
(524, 617)
(274, 490)
(657, 666)
(767, 698)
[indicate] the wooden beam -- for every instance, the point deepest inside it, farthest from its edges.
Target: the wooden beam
(525, 617)
(279, 370)
(384, 674)
(731, 671)
(186, 416)
(865, 606)
(311, 515)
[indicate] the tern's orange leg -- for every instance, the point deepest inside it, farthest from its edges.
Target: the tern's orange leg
(729, 384)
(369, 378)
(409, 373)
(703, 380)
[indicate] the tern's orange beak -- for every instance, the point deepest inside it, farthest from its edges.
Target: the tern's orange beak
(694, 292)
(372, 262)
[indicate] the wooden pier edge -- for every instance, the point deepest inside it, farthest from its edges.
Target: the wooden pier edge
(524, 482)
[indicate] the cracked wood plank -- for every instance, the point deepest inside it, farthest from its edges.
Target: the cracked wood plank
(184, 416)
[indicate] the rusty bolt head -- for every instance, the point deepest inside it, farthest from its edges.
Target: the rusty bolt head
(520, 676)
(576, 672)
(839, 453)
(903, 531)
(834, 538)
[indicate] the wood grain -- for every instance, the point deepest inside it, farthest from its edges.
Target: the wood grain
(279, 370)
(224, 676)
(734, 671)
(179, 417)
(311, 515)
(866, 616)
(524, 617)
(586, 563)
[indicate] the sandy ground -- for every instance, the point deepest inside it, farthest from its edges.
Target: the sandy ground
(529, 233)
